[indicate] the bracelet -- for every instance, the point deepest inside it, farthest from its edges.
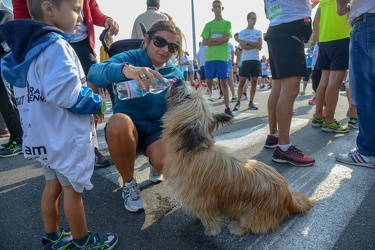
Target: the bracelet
(123, 69)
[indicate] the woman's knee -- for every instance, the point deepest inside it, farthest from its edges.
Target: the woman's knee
(118, 124)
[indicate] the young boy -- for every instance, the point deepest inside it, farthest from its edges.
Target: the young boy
(55, 106)
(216, 34)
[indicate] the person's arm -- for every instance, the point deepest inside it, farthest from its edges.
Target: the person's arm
(251, 45)
(102, 20)
(98, 17)
(343, 7)
(220, 40)
(238, 56)
(120, 68)
(316, 25)
(314, 3)
(20, 9)
(216, 41)
(65, 91)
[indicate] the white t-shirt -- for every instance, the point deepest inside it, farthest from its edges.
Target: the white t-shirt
(264, 68)
(230, 51)
(285, 11)
(239, 62)
(202, 55)
(359, 7)
(52, 134)
(81, 32)
(250, 36)
(315, 56)
(184, 59)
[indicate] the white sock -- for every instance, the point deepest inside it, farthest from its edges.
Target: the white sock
(285, 147)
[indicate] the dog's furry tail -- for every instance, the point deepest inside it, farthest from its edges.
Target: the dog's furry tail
(301, 203)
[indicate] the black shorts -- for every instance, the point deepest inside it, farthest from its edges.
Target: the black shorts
(306, 78)
(250, 68)
(316, 74)
(287, 57)
(202, 73)
(333, 55)
(144, 140)
(85, 54)
(286, 48)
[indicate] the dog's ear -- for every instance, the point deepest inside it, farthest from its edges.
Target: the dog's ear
(193, 134)
(222, 118)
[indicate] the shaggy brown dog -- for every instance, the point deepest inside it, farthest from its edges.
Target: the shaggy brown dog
(210, 181)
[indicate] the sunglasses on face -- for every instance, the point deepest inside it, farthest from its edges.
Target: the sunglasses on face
(160, 42)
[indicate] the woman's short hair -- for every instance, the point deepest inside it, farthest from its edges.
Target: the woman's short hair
(166, 25)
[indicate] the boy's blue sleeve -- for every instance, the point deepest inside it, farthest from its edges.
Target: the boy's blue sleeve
(87, 103)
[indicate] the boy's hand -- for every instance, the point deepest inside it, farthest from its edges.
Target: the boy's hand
(99, 116)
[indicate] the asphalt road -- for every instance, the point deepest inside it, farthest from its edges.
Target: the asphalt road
(343, 218)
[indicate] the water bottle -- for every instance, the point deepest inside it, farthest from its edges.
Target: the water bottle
(161, 85)
(129, 89)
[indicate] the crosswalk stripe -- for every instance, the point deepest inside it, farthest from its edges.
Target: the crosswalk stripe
(338, 188)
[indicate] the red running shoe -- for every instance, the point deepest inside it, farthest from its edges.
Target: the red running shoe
(271, 141)
(292, 156)
(312, 101)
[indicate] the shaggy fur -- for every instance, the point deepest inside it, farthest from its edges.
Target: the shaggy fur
(210, 182)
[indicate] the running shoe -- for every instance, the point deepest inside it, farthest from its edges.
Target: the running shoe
(252, 106)
(317, 122)
(271, 141)
(133, 200)
(99, 241)
(228, 112)
(61, 243)
(334, 127)
(312, 101)
(12, 149)
(353, 123)
(292, 156)
(101, 161)
(237, 106)
(154, 176)
(355, 158)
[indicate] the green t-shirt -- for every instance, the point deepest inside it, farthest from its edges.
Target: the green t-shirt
(332, 27)
(214, 29)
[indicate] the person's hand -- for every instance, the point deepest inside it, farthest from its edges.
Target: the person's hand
(112, 26)
(314, 3)
(99, 118)
(141, 75)
(342, 8)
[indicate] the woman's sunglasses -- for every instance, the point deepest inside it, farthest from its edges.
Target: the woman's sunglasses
(160, 42)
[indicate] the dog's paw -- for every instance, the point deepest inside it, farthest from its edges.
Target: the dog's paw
(235, 228)
(212, 231)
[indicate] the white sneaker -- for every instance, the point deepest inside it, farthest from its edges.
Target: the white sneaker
(355, 158)
(155, 177)
(133, 200)
(244, 97)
